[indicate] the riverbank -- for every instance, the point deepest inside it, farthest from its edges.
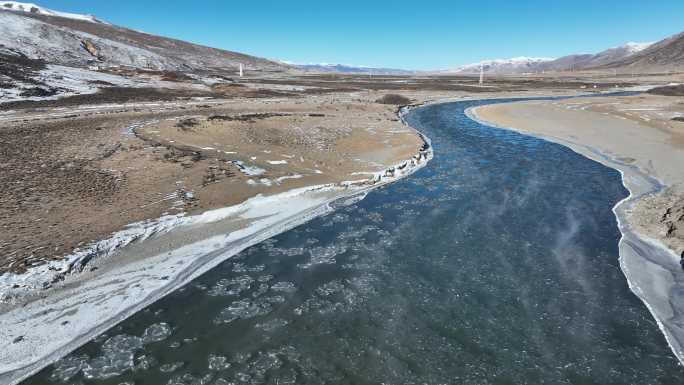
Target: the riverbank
(304, 160)
(649, 156)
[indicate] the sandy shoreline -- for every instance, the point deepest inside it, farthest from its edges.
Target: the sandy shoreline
(652, 269)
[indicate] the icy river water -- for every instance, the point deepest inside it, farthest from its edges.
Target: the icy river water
(495, 264)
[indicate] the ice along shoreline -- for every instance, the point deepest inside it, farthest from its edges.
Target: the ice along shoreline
(647, 264)
(48, 324)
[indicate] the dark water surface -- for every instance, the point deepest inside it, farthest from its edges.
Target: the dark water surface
(495, 264)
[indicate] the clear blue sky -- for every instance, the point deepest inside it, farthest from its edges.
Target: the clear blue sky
(423, 34)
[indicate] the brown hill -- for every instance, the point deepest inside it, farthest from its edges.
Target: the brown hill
(665, 55)
(68, 41)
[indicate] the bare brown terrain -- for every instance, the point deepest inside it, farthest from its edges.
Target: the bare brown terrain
(77, 178)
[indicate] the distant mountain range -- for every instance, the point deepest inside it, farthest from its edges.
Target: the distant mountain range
(344, 68)
(522, 65)
(665, 55)
(502, 66)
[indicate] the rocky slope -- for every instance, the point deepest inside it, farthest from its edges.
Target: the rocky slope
(664, 55)
(81, 40)
(585, 61)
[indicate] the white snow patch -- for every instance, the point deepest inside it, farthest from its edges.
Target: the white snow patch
(633, 47)
(248, 170)
(284, 178)
(33, 8)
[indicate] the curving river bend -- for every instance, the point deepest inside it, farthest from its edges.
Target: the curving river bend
(495, 264)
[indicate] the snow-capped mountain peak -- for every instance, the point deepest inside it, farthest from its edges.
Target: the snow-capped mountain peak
(633, 47)
(348, 68)
(518, 64)
(34, 8)
(516, 60)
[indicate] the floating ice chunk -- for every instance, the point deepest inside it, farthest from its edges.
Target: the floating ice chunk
(262, 289)
(242, 268)
(145, 362)
(265, 278)
(286, 287)
(122, 343)
(330, 288)
(171, 367)
(275, 299)
(262, 364)
(68, 367)
(234, 286)
(117, 358)
(339, 218)
(218, 363)
(277, 251)
(271, 325)
(241, 357)
(243, 309)
(189, 379)
(156, 332)
(324, 255)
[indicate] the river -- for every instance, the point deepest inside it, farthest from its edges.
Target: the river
(497, 263)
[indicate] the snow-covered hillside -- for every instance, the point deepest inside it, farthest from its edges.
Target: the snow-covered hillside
(79, 40)
(34, 8)
(616, 53)
(46, 54)
(39, 40)
(633, 47)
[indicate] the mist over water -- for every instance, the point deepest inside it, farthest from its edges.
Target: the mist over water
(495, 264)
